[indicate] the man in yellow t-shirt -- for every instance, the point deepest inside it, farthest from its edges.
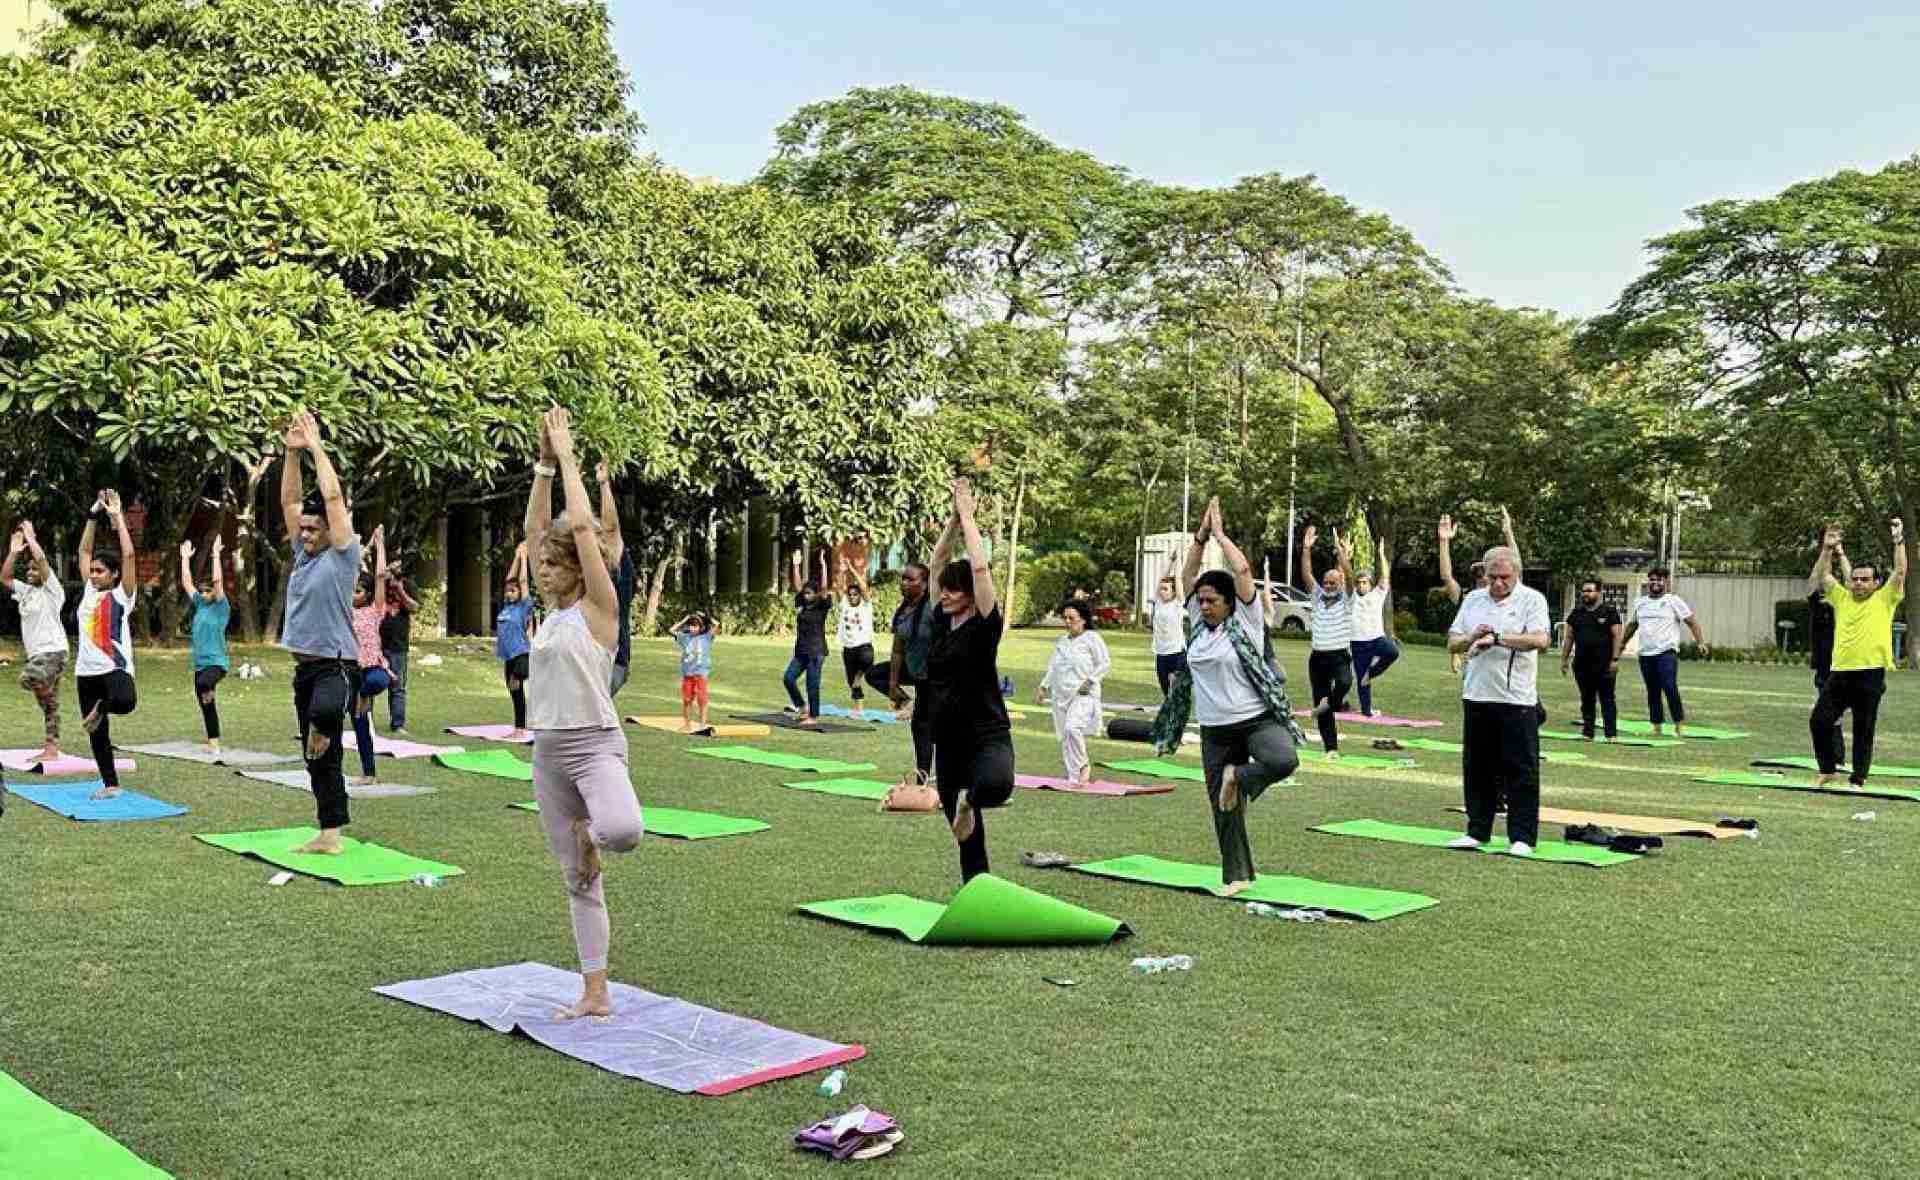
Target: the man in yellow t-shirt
(1862, 652)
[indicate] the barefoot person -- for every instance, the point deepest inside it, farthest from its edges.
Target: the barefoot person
(972, 738)
(855, 634)
(1863, 616)
(1168, 619)
(396, 637)
(906, 666)
(1657, 618)
(1501, 631)
(1373, 652)
(1330, 665)
(369, 676)
(513, 640)
(693, 635)
(812, 601)
(580, 774)
(1247, 733)
(1079, 663)
(1592, 634)
(103, 670)
(626, 575)
(319, 622)
(40, 598)
(1820, 620)
(211, 611)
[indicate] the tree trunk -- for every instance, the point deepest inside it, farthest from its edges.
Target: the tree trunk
(657, 584)
(1013, 547)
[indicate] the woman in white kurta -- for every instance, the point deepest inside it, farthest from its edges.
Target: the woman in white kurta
(1078, 665)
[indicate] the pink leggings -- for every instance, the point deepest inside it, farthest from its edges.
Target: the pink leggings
(582, 774)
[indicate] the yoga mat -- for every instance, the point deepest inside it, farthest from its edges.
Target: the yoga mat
(1119, 707)
(386, 747)
(782, 721)
(684, 825)
(1740, 778)
(1357, 761)
(494, 763)
(197, 752)
(758, 757)
(986, 912)
(1159, 768)
(1623, 740)
(298, 780)
(1376, 719)
(39, 1141)
(1794, 763)
(1040, 783)
(28, 761)
(490, 733)
(672, 725)
(1552, 851)
(1705, 733)
(1648, 825)
(1130, 729)
(1440, 746)
(358, 864)
(852, 788)
(673, 1044)
(72, 800)
(879, 716)
(1355, 901)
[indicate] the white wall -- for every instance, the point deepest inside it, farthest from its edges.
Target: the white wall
(1735, 610)
(1158, 555)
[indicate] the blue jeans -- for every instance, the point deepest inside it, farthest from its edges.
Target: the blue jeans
(1371, 657)
(1662, 676)
(810, 665)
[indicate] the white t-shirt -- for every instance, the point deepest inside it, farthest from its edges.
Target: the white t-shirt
(1169, 627)
(40, 605)
(856, 624)
(1222, 694)
(1332, 620)
(106, 645)
(1367, 609)
(1660, 620)
(1501, 675)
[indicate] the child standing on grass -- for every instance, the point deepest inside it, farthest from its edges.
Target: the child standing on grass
(694, 636)
(513, 639)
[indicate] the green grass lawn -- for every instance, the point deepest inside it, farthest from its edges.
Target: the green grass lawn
(1726, 1007)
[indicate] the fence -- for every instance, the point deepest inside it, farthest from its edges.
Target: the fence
(1735, 610)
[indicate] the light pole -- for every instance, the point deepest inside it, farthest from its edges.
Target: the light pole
(1293, 448)
(1186, 475)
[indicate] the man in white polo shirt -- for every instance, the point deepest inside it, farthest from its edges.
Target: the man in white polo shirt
(1501, 631)
(1330, 666)
(1657, 617)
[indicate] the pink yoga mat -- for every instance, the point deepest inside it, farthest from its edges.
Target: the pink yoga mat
(29, 760)
(389, 748)
(1039, 783)
(490, 733)
(1376, 719)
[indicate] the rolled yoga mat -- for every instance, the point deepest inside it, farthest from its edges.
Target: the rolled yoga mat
(197, 752)
(75, 801)
(681, 824)
(1797, 763)
(39, 1141)
(1130, 729)
(1355, 901)
(754, 756)
(494, 763)
(1741, 778)
(357, 864)
(1549, 851)
(986, 912)
(669, 1042)
(1646, 825)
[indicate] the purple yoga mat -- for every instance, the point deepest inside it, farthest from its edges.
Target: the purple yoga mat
(1376, 719)
(490, 733)
(29, 761)
(1097, 787)
(671, 1043)
(387, 747)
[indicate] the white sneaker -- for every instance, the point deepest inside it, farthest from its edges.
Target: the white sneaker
(1519, 848)
(1463, 842)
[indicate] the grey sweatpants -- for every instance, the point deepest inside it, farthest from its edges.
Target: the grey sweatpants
(582, 774)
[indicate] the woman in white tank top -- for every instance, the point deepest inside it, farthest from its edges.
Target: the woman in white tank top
(579, 750)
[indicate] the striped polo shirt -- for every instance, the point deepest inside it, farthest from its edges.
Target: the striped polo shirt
(1332, 620)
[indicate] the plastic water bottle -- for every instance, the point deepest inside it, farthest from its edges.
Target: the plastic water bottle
(1261, 909)
(1863, 815)
(1149, 965)
(1180, 963)
(833, 1083)
(427, 879)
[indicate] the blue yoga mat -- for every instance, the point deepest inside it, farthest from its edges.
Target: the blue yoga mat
(72, 801)
(879, 716)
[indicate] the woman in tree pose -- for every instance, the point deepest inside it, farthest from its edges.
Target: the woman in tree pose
(103, 671)
(211, 611)
(580, 771)
(972, 738)
(513, 639)
(1074, 672)
(1373, 652)
(370, 675)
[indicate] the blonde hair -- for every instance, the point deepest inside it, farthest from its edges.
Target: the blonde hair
(560, 547)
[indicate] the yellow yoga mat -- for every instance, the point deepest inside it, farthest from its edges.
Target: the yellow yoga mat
(725, 730)
(1646, 825)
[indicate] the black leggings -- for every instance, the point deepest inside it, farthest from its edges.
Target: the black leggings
(320, 692)
(516, 672)
(981, 768)
(1331, 674)
(858, 661)
(880, 676)
(114, 693)
(204, 680)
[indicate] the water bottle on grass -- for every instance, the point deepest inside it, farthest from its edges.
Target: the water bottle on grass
(833, 1083)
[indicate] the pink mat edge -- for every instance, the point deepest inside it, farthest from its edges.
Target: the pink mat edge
(1043, 783)
(774, 1073)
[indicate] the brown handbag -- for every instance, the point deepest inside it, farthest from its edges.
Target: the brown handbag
(911, 793)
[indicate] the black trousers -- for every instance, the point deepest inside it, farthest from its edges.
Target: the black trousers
(320, 693)
(114, 693)
(980, 768)
(1331, 675)
(1839, 736)
(1859, 692)
(1165, 666)
(1501, 759)
(1596, 685)
(858, 661)
(205, 680)
(1262, 752)
(880, 676)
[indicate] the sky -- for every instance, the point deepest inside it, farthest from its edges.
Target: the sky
(1533, 145)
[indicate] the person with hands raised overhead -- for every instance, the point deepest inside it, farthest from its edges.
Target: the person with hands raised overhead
(1373, 652)
(513, 638)
(856, 633)
(368, 675)
(626, 575)
(812, 602)
(1863, 614)
(40, 598)
(1330, 664)
(211, 613)
(103, 670)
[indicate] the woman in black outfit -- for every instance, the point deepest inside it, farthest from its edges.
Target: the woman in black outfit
(973, 742)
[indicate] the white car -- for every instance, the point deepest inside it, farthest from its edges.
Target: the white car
(1288, 609)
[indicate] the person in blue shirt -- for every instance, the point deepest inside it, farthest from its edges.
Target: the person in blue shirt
(512, 640)
(211, 611)
(694, 635)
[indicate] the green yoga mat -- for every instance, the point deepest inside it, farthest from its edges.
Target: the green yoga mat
(852, 788)
(986, 912)
(758, 757)
(1441, 746)
(1796, 763)
(684, 825)
(496, 763)
(1356, 901)
(358, 864)
(1159, 768)
(1553, 851)
(1576, 736)
(39, 1141)
(1705, 733)
(1741, 778)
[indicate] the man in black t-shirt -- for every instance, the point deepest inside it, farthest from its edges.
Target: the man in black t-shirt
(396, 635)
(811, 603)
(1820, 647)
(1592, 634)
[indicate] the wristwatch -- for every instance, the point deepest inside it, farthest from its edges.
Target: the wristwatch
(545, 469)
(1496, 640)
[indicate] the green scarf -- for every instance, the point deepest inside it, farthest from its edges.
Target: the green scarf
(1170, 724)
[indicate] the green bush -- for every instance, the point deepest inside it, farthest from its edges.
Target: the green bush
(1405, 621)
(1420, 638)
(1116, 589)
(1436, 610)
(1046, 581)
